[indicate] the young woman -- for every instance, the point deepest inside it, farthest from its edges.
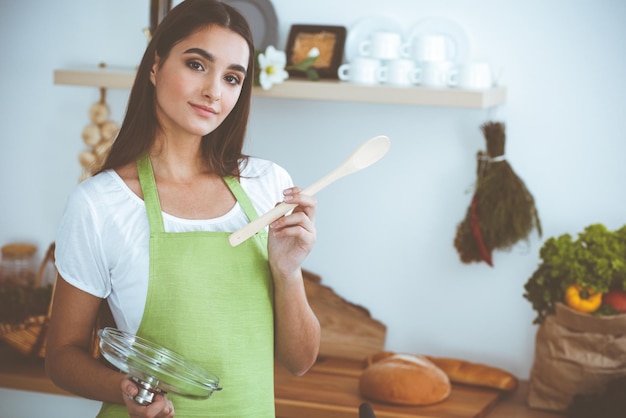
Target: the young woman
(149, 234)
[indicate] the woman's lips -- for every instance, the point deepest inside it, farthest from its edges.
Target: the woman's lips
(204, 111)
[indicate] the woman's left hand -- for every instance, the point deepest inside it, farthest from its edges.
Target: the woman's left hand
(291, 237)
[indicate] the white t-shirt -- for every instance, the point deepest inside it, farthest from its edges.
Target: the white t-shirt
(102, 244)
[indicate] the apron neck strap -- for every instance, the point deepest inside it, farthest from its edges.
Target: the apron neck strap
(153, 205)
(241, 196)
(150, 194)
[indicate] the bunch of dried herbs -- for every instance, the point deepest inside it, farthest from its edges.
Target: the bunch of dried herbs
(502, 211)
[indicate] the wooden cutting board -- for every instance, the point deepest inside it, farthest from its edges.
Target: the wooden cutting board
(330, 390)
(348, 330)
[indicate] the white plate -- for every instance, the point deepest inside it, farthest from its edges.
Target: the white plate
(262, 19)
(363, 28)
(459, 41)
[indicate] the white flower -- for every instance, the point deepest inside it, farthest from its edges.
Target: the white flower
(272, 64)
(314, 52)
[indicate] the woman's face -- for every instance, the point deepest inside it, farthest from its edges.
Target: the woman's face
(198, 84)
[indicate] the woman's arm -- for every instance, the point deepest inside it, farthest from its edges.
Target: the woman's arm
(71, 366)
(69, 363)
(297, 329)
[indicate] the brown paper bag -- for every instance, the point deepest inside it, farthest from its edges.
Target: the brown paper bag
(575, 353)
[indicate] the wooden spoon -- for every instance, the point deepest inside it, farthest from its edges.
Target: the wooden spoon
(365, 155)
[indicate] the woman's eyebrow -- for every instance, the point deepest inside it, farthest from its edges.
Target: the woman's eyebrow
(209, 57)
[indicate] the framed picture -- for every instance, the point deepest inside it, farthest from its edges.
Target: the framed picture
(329, 40)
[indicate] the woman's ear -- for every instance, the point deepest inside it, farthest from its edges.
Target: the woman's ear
(155, 67)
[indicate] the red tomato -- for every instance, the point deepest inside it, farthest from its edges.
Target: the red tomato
(616, 299)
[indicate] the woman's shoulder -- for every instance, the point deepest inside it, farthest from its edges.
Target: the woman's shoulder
(254, 167)
(264, 181)
(105, 189)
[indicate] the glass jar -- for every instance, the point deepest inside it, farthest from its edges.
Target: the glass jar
(18, 264)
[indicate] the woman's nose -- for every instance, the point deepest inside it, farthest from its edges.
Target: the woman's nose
(212, 90)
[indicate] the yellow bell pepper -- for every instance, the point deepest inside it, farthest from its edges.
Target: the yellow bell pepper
(575, 300)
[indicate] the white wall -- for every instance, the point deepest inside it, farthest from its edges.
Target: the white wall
(385, 234)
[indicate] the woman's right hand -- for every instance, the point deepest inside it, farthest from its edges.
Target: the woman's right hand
(161, 407)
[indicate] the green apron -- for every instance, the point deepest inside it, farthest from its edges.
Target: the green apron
(212, 304)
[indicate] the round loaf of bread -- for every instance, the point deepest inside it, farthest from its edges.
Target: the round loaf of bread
(404, 380)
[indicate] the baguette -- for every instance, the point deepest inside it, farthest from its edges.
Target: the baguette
(476, 374)
(462, 371)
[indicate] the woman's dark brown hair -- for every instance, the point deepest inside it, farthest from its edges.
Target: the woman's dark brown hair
(221, 148)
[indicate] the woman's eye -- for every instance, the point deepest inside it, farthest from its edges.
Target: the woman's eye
(195, 65)
(234, 80)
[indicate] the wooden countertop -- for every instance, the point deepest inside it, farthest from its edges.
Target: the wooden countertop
(19, 373)
(330, 390)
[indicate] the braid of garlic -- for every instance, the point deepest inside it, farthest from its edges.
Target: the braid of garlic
(98, 135)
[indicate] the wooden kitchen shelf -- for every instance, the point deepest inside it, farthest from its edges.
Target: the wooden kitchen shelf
(332, 90)
(109, 77)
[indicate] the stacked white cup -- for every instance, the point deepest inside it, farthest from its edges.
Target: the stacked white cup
(429, 59)
(382, 59)
(433, 54)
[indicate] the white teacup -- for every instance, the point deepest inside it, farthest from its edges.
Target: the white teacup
(434, 74)
(399, 72)
(383, 45)
(361, 70)
(427, 48)
(472, 75)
